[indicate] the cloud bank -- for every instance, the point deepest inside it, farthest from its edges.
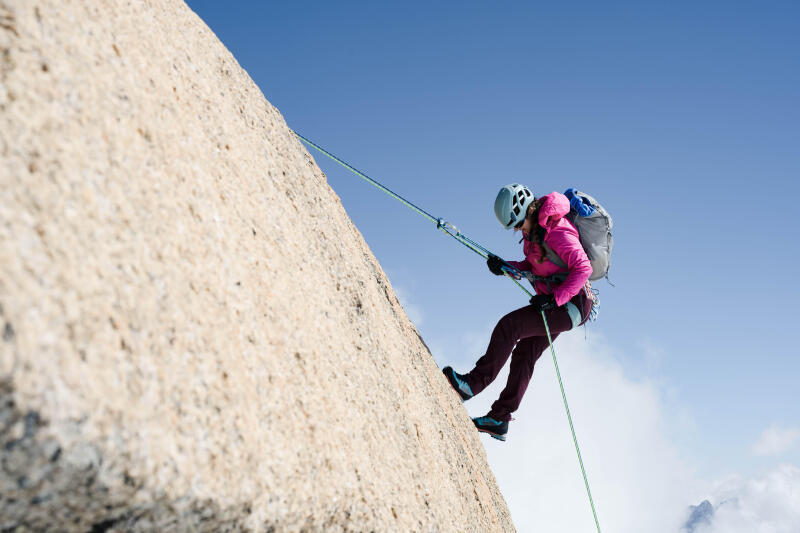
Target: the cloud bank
(627, 432)
(413, 310)
(766, 504)
(638, 481)
(776, 440)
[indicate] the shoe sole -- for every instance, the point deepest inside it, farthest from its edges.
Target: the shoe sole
(494, 435)
(457, 391)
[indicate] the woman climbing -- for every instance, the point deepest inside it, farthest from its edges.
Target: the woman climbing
(562, 293)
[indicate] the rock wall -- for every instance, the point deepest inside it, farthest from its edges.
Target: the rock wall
(194, 334)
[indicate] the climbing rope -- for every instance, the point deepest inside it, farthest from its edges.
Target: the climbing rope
(511, 272)
(571, 427)
(441, 224)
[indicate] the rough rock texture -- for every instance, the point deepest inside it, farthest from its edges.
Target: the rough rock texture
(193, 335)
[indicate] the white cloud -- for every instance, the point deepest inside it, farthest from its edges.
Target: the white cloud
(628, 430)
(775, 440)
(768, 504)
(413, 310)
(638, 481)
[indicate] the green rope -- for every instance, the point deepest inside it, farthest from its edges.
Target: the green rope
(444, 226)
(367, 178)
(569, 417)
(480, 250)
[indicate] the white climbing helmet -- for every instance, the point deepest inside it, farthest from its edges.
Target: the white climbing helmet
(511, 204)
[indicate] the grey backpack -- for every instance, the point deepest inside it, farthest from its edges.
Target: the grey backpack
(594, 227)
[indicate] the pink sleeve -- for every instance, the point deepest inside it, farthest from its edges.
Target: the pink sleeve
(568, 247)
(522, 266)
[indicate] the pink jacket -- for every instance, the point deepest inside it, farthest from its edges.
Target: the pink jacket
(562, 237)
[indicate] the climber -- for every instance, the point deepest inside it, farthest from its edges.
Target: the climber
(562, 293)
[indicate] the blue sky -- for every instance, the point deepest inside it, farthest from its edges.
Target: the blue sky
(682, 118)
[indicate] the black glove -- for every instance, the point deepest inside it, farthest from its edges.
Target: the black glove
(544, 302)
(495, 263)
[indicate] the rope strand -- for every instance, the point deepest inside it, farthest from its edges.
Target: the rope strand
(569, 417)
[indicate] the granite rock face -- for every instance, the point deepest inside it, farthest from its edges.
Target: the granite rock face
(193, 334)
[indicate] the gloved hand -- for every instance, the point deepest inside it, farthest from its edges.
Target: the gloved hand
(544, 302)
(495, 263)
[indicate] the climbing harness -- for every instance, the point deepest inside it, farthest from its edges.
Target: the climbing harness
(514, 274)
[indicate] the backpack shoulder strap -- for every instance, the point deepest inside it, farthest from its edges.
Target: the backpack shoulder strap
(552, 256)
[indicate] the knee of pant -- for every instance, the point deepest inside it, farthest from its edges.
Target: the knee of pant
(508, 326)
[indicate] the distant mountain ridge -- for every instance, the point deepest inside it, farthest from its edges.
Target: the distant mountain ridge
(699, 515)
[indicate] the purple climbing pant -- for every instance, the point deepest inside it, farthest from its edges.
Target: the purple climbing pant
(523, 327)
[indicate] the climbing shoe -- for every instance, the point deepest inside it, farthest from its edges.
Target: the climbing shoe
(495, 428)
(458, 383)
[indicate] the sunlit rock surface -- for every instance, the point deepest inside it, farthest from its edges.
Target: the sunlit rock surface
(193, 334)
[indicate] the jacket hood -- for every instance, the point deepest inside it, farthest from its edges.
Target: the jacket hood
(554, 207)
